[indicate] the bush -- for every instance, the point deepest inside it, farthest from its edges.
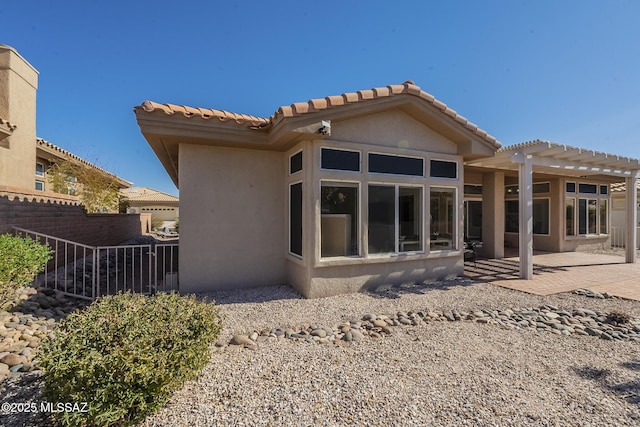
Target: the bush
(21, 259)
(125, 355)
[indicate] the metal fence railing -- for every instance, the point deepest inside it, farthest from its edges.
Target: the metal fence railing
(89, 272)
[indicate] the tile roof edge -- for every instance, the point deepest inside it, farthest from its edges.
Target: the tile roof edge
(321, 104)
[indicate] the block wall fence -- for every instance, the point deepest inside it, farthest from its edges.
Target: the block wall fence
(66, 219)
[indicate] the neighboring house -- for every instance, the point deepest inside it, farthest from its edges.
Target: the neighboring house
(618, 206)
(25, 159)
(370, 188)
(163, 207)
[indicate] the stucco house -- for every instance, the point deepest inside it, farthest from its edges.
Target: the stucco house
(164, 208)
(24, 158)
(374, 187)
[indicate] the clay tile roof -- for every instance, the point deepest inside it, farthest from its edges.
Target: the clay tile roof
(53, 149)
(145, 194)
(203, 113)
(321, 104)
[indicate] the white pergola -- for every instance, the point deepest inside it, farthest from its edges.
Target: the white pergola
(556, 159)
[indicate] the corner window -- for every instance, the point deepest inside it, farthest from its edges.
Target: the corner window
(444, 169)
(338, 219)
(343, 160)
(295, 219)
(443, 218)
(396, 165)
(39, 169)
(395, 219)
(295, 163)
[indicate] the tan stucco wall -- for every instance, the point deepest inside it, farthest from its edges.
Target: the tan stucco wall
(18, 85)
(232, 227)
(344, 279)
(393, 129)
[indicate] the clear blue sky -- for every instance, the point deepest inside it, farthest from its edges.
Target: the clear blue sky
(566, 71)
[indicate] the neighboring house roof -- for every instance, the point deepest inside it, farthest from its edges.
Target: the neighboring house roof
(621, 187)
(59, 153)
(320, 104)
(148, 195)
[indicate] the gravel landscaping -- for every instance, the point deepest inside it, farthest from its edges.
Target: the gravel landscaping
(450, 353)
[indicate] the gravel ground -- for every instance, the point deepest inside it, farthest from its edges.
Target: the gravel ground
(441, 373)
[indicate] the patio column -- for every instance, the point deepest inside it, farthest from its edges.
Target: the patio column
(525, 183)
(631, 242)
(493, 215)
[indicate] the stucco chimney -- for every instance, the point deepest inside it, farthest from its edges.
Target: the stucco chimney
(18, 86)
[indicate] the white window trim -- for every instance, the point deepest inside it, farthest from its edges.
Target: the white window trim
(41, 182)
(397, 251)
(359, 171)
(424, 165)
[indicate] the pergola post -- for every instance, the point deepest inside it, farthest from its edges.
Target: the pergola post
(631, 242)
(525, 181)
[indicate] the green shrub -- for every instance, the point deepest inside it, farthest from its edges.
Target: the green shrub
(125, 355)
(21, 259)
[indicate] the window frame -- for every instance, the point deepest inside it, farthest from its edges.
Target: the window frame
(456, 219)
(437, 159)
(291, 156)
(290, 252)
(38, 181)
(359, 171)
(397, 186)
(358, 204)
(517, 203)
(378, 153)
(40, 174)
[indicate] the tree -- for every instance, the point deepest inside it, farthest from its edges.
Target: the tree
(97, 189)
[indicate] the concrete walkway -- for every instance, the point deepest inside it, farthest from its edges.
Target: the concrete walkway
(562, 272)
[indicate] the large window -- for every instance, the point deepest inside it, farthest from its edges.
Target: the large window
(295, 218)
(338, 219)
(395, 219)
(540, 211)
(443, 218)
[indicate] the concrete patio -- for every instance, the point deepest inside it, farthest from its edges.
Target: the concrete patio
(562, 272)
